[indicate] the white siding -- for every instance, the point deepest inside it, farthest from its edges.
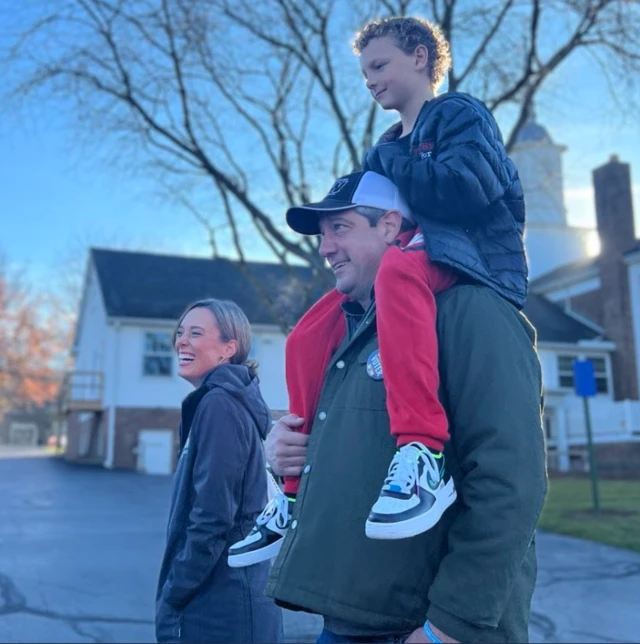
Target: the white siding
(548, 363)
(134, 389)
(92, 333)
(269, 352)
(550, 376)
(611, 421)
(634, 288)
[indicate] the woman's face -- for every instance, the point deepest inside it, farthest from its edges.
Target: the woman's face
(199, 346)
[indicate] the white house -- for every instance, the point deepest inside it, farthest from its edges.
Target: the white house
(603, 294)
(123, 398)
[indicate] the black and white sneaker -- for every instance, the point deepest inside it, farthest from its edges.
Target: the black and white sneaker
(414, 496)
(266, 537)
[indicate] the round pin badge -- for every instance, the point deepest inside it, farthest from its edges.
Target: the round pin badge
(374, 366)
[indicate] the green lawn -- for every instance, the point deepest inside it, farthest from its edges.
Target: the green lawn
(569, 505)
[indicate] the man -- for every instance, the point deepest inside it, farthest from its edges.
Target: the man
(471, 577)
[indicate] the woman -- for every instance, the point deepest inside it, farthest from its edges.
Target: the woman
(220, 487)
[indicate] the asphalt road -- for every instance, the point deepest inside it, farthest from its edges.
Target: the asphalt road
(80, 549)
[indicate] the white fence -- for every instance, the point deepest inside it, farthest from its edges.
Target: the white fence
(611, 422)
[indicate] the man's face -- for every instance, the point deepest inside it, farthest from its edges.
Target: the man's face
(354, 249)
(393, 77)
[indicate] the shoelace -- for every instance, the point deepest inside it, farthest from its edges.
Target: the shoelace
(278, 507)
(403, 471)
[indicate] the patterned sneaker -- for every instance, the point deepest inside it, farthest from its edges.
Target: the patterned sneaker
(267, 535)
(414, 496)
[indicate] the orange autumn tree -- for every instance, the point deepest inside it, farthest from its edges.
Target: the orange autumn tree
(31, 345)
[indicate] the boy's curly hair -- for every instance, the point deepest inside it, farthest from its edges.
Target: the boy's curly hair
(407, 34)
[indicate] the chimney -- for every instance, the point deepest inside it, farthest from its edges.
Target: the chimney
(614, 215)
(614, 208)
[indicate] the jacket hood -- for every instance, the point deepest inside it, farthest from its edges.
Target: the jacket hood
(238, 382)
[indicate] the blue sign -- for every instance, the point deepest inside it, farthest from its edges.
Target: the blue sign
(584, 378)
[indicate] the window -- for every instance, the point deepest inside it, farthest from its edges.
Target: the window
(600, 371)
(565, 372)
(158, 354)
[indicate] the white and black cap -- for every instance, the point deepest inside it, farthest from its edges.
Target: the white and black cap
(357, 189)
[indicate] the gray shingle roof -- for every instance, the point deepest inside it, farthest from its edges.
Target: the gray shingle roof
(148, 285)
(575, 269)
(553, 324)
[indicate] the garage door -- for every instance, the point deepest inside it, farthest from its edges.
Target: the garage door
(155, 451)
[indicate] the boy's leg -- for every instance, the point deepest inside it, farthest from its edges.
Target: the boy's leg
(406, 321)
(418, 490)
(291, 485)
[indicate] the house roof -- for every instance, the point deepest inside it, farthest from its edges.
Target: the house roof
(574, 270)
(553, 324)
(154, 286)
(148, 285)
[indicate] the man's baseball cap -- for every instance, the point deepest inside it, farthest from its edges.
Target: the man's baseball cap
(357, 189)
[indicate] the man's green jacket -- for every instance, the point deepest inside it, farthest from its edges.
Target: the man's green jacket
(473, 574)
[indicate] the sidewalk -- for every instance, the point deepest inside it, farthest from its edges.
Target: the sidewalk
(586, 592)
(81, 548)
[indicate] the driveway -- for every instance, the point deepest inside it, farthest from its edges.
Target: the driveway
(80, 549)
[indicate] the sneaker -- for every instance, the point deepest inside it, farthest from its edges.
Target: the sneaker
(414, 496)
(266, 537)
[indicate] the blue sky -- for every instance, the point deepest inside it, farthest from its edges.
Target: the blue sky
(57, 197)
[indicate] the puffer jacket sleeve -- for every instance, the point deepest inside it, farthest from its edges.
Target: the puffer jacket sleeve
(466, 173)
(221, 456)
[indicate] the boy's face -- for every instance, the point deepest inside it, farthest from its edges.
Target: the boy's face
(393, 77)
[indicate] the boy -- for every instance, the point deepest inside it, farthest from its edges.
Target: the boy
(448, 161)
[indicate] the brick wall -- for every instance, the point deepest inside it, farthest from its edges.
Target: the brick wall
(618, 460)
(613, 461)
(589, 305)
(73, 436)
(129, 422)
(97, 423)
(614, 213)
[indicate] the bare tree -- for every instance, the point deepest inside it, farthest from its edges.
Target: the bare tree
(249, 105)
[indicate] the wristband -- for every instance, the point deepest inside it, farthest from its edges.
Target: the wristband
(431, 636)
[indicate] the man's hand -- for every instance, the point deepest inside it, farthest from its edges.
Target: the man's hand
(420, 636)
(286, 448)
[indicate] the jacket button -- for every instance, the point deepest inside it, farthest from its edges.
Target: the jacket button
(322, 415)
(340, 364)
(306, 469)
(294, 525)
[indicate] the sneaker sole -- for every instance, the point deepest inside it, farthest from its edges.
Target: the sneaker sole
(416, 525)
(257, 556)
